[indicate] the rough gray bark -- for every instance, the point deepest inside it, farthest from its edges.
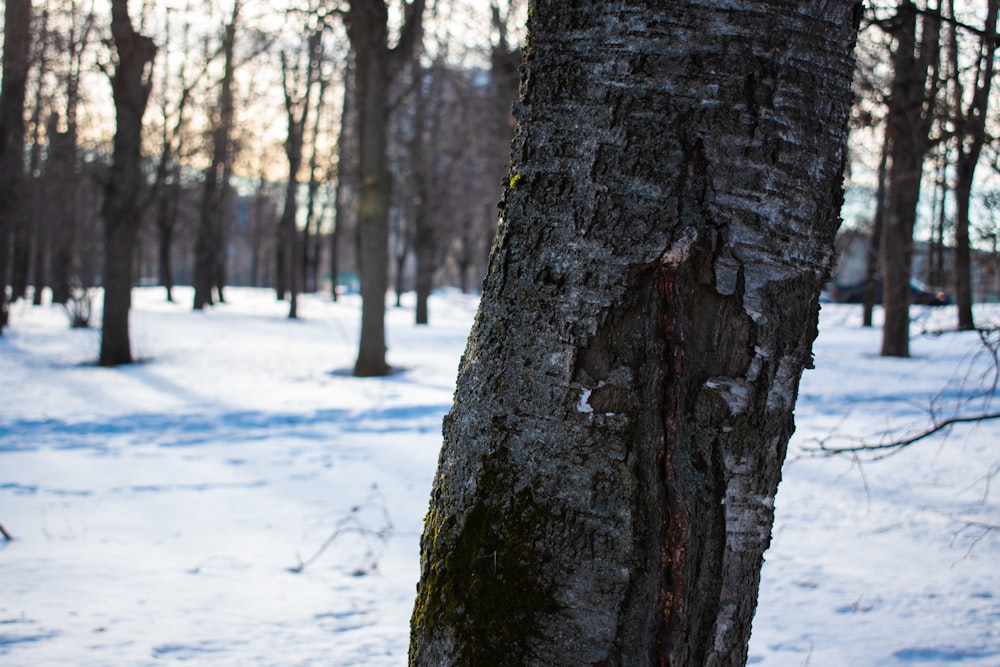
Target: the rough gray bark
(605, 489)
(121, 210)
(16, 51)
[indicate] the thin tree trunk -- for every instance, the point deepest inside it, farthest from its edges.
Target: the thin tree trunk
(606, 486)
(41, 245)
(909, 124)
(16, 52)
(121, 210)
(373, 200)
(369, 39)
(311, 232)
(346, 171)
(375, 68)
(206, 267)
(878, 225)
(972, 127)
(166, 223)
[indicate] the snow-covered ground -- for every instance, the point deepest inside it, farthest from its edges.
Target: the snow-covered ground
(161, 510)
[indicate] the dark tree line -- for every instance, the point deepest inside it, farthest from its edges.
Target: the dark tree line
(925, 83)
(160, 201)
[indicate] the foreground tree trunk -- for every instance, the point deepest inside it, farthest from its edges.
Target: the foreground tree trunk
(605, 491)
(121, 210)
(16, 52)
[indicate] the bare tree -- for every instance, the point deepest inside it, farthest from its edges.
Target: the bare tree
(911, 113)
(299, 79)
(605, 490)
(346, 170)
(121, 211)
(970, 136)
(318, 178)
(209, 246)
(173, 138)
(376, 66)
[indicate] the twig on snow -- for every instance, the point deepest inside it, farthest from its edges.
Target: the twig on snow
(351, 524)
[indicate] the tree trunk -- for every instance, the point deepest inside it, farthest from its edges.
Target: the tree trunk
(367, 28)
(59, 190)
(346, 169)
(41, 251)
(207, 269)
(425, 252)
(605, 490)
(909, 124)
(16, 53)
(972, 135)
(875, 240)
(426, 123)
(311, 233)
(166, 223)
(963, 253)
(375, 66)
(121, 210)
(286, 256)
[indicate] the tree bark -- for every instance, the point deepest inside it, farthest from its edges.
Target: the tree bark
(121, 210)
(605, 490)
(16, 53)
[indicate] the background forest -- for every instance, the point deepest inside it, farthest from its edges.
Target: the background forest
(258, 135)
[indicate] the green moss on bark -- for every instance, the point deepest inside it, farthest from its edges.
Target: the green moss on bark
(484, 578)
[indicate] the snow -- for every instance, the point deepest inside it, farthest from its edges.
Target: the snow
(161, 510)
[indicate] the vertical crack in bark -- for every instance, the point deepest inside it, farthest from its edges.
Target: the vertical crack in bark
(673, 559)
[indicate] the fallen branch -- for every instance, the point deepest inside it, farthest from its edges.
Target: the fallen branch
(350, 524)
(6, 536)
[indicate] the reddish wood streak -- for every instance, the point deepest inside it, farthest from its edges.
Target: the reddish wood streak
(674, 538)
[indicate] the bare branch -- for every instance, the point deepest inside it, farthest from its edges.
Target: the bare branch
(823, 449)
